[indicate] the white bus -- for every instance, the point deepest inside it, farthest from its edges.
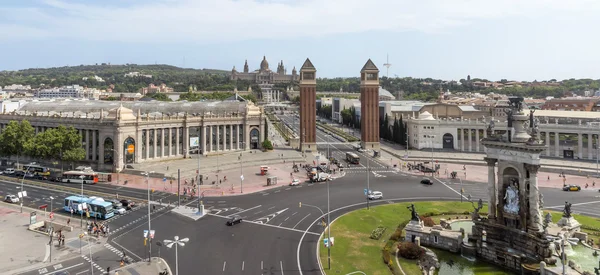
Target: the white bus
(84, 177)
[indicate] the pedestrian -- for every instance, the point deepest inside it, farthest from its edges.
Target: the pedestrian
(108, 270)
(122, 254)
(68, 221)
(548, 177)
(219, 181)
(593, 183)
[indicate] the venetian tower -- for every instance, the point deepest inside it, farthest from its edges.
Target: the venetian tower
(308, 107)
(369, 106)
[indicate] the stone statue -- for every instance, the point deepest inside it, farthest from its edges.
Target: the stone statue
(509, 117)
(490, 128)
(516, 103)
(531, 121)
(475, 214)
(567, 210)
(511, 198)
(413, 211)
(541, 200)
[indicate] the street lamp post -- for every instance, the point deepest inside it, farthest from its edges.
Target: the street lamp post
(23, 193)
(90, 248)
(368, 184)
(51, 206)
(241, 174)
(328, 226)
(177, 242)
(147, 174)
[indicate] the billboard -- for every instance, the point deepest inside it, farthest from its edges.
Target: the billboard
(194, 141)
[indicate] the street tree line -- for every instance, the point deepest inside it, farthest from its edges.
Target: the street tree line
(393, 132)
(62, 144)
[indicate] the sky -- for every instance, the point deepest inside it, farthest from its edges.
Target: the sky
(443, 39)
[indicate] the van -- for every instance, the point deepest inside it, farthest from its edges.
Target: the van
(9, 171)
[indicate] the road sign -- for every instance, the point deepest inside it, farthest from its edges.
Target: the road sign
(32, 217)
(326, 241)
(145, 233)
(366, 192)
(51, 215)
(152, 234)
(22, 194)
(84, 205)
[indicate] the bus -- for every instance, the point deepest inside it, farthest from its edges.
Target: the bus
(352, 158)
(95, 206)
(37, 169)
(84, 177)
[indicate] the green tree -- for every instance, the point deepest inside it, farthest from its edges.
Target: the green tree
(267, 145)
(15, 137)
(346, 117)
(60, 143)
(159, 97)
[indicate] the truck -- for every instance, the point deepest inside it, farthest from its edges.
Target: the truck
(319, 177)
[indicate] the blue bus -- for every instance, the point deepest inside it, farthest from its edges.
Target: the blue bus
(97, 207)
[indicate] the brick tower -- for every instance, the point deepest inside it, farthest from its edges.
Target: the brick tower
(308, 107)
(369, 106)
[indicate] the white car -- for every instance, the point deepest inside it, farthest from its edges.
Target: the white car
(11, 199)
(9, 171)
(295, 182)
(375, 195)
(120, 210)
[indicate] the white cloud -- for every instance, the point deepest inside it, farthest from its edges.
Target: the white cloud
(204, 21)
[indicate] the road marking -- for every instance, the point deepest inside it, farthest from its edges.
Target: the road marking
(247, 209)
(224, 263)
(242, 265)
(270, 225)
(264, 194)
(286, 219)
(55, 271)
(294, 213)
(83, 272)
(281, 266)
(301, 220)
(575, 204)
(288, 188)
(220, 201)
(261, 265)
(280, 224)
(271, 207)
(258, 212)
(277, 191)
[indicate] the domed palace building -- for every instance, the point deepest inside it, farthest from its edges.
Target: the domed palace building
(117, 134)
(266, 78)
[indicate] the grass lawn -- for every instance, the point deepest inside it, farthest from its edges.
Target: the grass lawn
(353, 249)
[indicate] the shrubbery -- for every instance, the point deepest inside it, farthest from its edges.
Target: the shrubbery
(410, 250)
(377, 233)
(428, 221)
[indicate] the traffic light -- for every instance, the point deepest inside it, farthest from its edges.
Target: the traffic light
(300, 204)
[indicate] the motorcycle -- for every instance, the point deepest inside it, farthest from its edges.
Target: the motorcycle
(165, 272)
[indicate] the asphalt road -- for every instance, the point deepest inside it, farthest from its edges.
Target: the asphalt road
(277, 235)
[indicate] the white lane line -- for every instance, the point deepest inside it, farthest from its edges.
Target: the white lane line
(286, 219)
(265, 194)
(277, 191)
(258, 212)
(280, 224)
(83, 272)
(63, 269)
(458, 193)
(247, 209)
(294, 213)
(281, 266)
(242, 265)
(270, 225)
(261, 265)
(224, 263)
(271, 207)
(575, 204)
(301, 220)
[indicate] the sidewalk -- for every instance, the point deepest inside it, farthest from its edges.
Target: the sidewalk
(26, 250)
(220, 174)
(155, 266)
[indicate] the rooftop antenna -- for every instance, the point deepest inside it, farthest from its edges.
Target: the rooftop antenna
(387, 65)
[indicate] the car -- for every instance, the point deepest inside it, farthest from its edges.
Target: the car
(9, 171)
(120, 210)
(295, 182)
(128, 204)
(375, 195)
(233, 220)
(572, 187)
(11, 199)
(426, 181)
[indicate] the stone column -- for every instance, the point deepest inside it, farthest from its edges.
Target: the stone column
(230, 137)
(580, 146)
(87, 144)
(556, 144)
(203, 139)
(162, 142)
(246, 136)
(177, 141)
(147, 141)
(154, 142)
(477, 140)
(186, 141)
(210, 138)
(218, 137)
(534, 223)
(237, 137)
(462, 139)
(170, 142)
(590, 150)
(470, 135)
(546, 152)
(94, 145)
(491, 164)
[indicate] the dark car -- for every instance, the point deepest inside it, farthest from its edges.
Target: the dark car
(55, 177)
(233, 220)
(128, 204)
(427, 181)
(572, 187)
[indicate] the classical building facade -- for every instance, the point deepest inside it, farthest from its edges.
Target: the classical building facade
(116, 134)
(567, 134)
(266, 78)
